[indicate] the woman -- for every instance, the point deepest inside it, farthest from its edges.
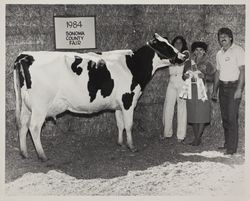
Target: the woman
(200, 72)
(174, 86)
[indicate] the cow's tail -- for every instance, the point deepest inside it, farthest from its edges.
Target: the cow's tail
(17, 87)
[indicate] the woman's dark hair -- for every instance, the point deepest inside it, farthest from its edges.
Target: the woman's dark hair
(226, 31)
(199, 44)
(184, 43)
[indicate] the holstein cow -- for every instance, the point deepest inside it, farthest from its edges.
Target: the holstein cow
(49, 83)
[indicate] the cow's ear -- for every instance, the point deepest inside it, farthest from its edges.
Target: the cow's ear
(156, 35)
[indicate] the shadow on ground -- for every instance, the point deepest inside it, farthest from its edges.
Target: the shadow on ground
(99, 157)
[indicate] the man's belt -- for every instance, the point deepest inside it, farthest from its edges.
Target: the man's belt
(228, 82)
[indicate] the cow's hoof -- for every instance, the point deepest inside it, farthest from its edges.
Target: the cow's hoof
(121, 145)
(162, 137)
(24, 155)
(43, 158)
(133, 149)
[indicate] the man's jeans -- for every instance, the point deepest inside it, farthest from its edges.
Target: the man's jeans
(229, 113)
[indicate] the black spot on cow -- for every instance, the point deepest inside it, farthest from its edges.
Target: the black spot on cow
(75, 68)
(140, 65)
(163, 50)
(127, 100)
(21, 56)
(24, 61)
(26, 71)
(100, 53)
(17, 66)
(176, 60)
(99, 79)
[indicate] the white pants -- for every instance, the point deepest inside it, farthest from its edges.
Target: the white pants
(172, 96)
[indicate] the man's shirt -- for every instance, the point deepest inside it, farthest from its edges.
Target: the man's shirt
(228, 62)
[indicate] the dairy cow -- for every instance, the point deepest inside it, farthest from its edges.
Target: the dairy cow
(49, 83)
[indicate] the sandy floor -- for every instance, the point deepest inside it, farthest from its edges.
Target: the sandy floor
(88, 165)
(183, 178)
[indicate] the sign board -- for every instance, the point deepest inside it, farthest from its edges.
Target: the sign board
(75, 32)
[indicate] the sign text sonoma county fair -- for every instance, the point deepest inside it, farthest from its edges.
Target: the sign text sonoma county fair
(74, 37)
(74, 33)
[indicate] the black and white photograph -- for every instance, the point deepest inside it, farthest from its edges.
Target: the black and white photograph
(125, 99)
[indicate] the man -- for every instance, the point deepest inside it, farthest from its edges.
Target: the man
(230, 79)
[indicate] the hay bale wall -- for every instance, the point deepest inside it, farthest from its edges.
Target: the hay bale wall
(30, 27)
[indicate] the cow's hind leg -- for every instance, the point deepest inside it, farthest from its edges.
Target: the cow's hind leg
(23, 130)
(128, 123)
(36, 122)
(120, 125)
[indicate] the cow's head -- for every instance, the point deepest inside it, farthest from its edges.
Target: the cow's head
(164, 49)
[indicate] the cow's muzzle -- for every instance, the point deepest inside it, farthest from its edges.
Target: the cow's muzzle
(184, 55)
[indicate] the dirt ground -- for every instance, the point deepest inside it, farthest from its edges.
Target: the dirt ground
(99, 157)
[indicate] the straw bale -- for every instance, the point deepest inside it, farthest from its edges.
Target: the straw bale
(30, 27)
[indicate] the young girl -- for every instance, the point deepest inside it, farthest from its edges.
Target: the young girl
(172, 96)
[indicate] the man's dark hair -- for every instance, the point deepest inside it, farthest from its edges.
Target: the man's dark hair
(226, 31)
(184, 43)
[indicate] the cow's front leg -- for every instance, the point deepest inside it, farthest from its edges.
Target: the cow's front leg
(120, 125)
(128, 123)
